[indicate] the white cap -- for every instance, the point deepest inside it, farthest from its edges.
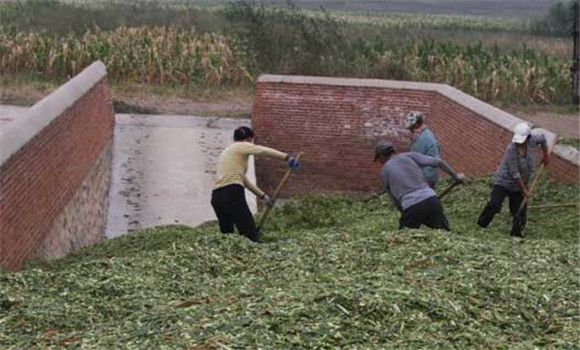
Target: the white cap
(521, 132)
(413, 118)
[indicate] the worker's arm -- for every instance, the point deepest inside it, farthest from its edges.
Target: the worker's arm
(522, 186)
(540, 139)
(546, 157)
(391, 197)
(253, 188)
(514, 172)
(395, 202)
(258, 151)
(268, 201)
(432, 150)
(423, 161)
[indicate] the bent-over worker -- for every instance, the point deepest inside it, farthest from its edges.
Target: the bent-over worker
(403, 177)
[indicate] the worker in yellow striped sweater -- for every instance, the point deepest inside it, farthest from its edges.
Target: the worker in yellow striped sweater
(228, 198)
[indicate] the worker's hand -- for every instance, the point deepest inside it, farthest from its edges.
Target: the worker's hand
(268, 201)
(526, 193)
(546, 159)
(461, 178)
(293, 163)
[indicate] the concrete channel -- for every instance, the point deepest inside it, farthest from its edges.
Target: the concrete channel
(164, 168)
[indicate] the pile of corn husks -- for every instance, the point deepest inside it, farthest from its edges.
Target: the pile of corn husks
(334, 273)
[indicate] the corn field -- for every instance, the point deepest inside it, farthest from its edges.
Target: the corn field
(146, 55)
(161, 55)
(520, 76)
(418, 21)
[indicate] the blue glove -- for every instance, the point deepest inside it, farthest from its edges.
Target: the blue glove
(293, 163)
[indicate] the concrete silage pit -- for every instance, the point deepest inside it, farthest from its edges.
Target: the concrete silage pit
(164, 169)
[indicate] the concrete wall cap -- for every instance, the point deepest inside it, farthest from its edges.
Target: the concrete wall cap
(551, 138)
(379, 83)
(568, 153)
(20, 131)
(493, 114)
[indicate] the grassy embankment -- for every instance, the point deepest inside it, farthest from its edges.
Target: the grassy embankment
(200, 52)
(334, 273)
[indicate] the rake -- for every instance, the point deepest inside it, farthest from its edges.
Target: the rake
(275, 195)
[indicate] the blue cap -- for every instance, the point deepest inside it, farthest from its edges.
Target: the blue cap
(384, 148)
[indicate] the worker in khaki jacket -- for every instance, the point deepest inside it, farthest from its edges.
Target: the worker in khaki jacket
(228, 198)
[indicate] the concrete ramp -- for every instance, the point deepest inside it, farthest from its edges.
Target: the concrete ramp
(164, 168)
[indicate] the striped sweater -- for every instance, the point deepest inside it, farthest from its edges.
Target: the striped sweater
(233, 164)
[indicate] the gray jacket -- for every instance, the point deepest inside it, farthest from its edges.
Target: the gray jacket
(404, 179)
(515, 165)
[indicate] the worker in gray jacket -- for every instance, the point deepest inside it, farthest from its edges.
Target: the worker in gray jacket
(513, 177)
(406, 185)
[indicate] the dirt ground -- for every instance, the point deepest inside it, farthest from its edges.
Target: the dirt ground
(139, 99)
(565, 125)
(237, 107)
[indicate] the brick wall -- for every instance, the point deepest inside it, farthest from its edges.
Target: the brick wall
(564, 164)
(471, 144)
(336, 123)
(47, 158)
(82, 221)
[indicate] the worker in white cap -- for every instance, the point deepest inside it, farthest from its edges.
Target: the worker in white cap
(513, 177)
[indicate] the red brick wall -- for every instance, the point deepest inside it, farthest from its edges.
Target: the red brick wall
(470, 143)
(336, 127)
(478, 149)
(39, 179)
(563, 170)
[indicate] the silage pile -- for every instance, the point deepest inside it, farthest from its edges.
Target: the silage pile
(335, 273)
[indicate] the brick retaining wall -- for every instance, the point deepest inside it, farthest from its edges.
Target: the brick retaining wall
(336, 123)
(55, 170)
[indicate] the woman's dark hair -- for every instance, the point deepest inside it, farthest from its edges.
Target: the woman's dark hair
(242, 133)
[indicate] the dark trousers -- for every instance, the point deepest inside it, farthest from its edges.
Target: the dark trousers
(428, 212)
(498, 194)
(231, 208)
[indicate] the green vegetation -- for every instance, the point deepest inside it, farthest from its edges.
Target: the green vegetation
(523, 9)
(261, 39)
(559, 21)
(157, 55)
(61, 18)
(334, 273)
(194, 43)
(570, 141)
(422, 21)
